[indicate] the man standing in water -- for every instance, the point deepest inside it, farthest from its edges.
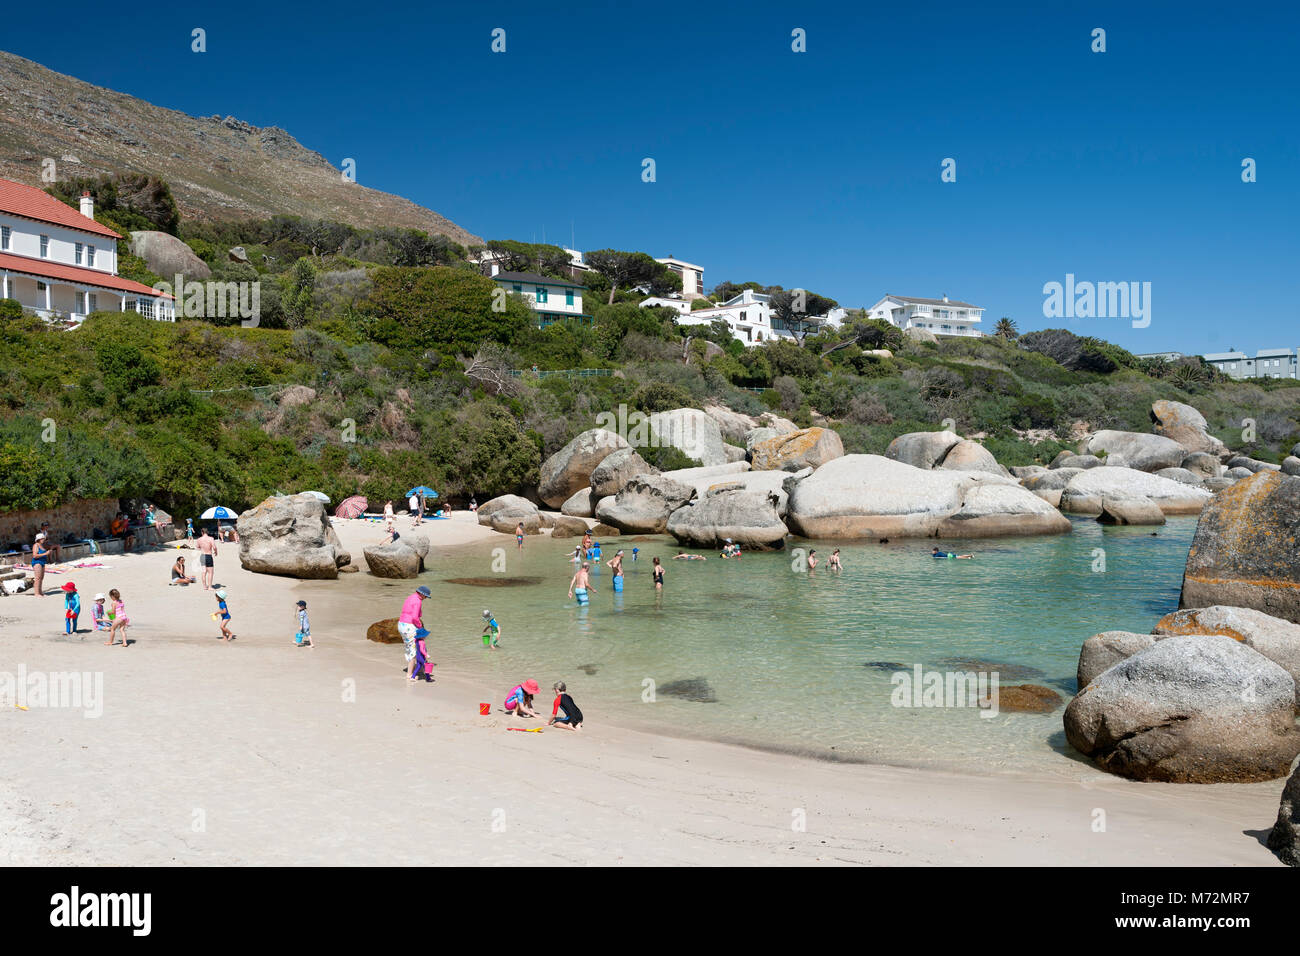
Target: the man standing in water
(616, 569)
(580, 583)
(207, 546)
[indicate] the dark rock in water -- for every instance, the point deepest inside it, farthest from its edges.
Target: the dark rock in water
(587, 669)
(887, 666)
(1006, 671)
(1027, 699)
(384, 632)
(497, 582)
(695, 689)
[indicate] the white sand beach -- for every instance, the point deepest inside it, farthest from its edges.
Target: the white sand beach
(259, 752)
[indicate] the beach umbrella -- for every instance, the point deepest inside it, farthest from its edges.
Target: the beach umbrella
(422, 490)
(353, 507)
(218, 513)
(319, 495)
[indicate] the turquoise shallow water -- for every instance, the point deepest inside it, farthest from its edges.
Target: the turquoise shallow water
(804, 661)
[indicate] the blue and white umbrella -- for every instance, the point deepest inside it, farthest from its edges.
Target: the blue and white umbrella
(218, 513)
(422, 490)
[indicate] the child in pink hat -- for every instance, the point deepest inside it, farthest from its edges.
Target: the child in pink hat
(520, 701)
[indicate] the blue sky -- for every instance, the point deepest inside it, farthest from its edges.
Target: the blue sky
(817, 169)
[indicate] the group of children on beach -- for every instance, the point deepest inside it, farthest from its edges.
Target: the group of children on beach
(520, 704)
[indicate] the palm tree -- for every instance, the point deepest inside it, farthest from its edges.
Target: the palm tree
(1006, 328)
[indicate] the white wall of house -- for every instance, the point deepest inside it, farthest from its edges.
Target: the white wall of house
(546, 297)
(680, 305)
(692, 277)
(25, 240)
(941, 319)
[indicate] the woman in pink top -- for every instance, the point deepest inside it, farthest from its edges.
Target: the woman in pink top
(408, 622)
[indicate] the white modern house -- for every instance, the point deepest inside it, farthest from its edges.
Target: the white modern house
(940, 316)
(681, 306)
(1267, 363)
(553, 300)
(692, 277)
(748, 315)
(61, 264)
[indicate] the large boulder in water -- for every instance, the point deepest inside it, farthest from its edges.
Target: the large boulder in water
(921, 449)
(749, 518)
(581, 504)
(568, 527)
(1130, 510)
(1276, 639)
(1141, 452)
(1085, 491)
(1244, 552)
(1284, 838)
(1176, 712)
(807, 447)
(166, 256)
(1103, 651)
(868, 496)
(570, 468)
(396, 559)
(1202, 465)
(289, 535)
(1187, 426)
(969, 455)
(691, 432)
(617, 470)
(645, 504)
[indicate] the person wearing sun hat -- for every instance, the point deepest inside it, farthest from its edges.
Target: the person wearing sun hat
(408, 623)
(40, 554)
(71, 607)
(98, 615)
(520, 701)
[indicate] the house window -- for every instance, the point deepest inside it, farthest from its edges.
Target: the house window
(4, 237)
(568, 297)
(45, 247)
(93, 303)
(541, 294)
(519, 289)
(90, 256)
(81, 303)
(146, 308)
(76, 254)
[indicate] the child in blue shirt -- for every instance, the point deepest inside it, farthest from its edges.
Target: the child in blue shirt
(304, 627)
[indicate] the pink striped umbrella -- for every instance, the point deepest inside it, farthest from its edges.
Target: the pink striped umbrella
(353, 507)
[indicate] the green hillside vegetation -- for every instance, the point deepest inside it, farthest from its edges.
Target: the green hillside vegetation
(383, 360)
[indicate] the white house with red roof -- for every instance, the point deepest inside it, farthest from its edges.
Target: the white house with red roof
(61, 264)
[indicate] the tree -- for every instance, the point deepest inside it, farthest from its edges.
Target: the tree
(665, 281)
(1006, 329)
(729, 290)
(441, 307)
(800, 311)
(623, 268)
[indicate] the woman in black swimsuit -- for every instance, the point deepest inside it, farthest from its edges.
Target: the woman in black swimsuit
(659, 575)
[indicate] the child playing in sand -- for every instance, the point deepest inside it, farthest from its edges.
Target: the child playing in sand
(71, 607)
(98, 615)
(572, 715)
(491, 631)
(303, 636)
(520, 701)
(223, 614)
(120, 620)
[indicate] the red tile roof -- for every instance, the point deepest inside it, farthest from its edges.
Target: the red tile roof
(32, 203)
(61, 273)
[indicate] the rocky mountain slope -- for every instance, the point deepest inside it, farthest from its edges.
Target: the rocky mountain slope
(218, 169)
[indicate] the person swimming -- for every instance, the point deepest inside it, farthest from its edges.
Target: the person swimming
(683, 556)
(936, 553)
